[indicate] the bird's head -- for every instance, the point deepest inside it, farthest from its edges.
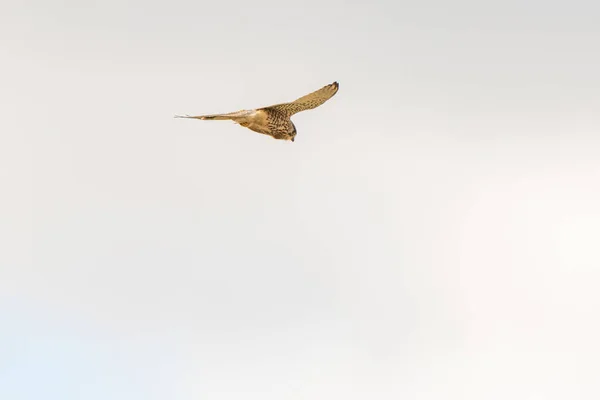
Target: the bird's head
(293, 134)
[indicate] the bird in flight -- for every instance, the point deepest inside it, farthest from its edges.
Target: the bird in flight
(275, 120)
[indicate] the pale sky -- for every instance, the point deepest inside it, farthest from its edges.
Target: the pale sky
(432, 233)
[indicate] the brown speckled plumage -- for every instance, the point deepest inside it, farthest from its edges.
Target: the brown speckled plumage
(275, 120)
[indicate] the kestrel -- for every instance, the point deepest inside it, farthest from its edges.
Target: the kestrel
(275, 120)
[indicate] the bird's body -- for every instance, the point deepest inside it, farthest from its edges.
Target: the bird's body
(275, 120)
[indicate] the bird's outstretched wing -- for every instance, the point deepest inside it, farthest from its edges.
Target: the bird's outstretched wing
(234, 115)
(308, 102)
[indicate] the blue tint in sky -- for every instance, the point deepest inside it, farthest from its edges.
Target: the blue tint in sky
(53, 357)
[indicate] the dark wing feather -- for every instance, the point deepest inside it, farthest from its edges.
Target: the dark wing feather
(308, 102)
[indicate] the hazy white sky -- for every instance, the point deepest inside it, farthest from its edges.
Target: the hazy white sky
(432, 233)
